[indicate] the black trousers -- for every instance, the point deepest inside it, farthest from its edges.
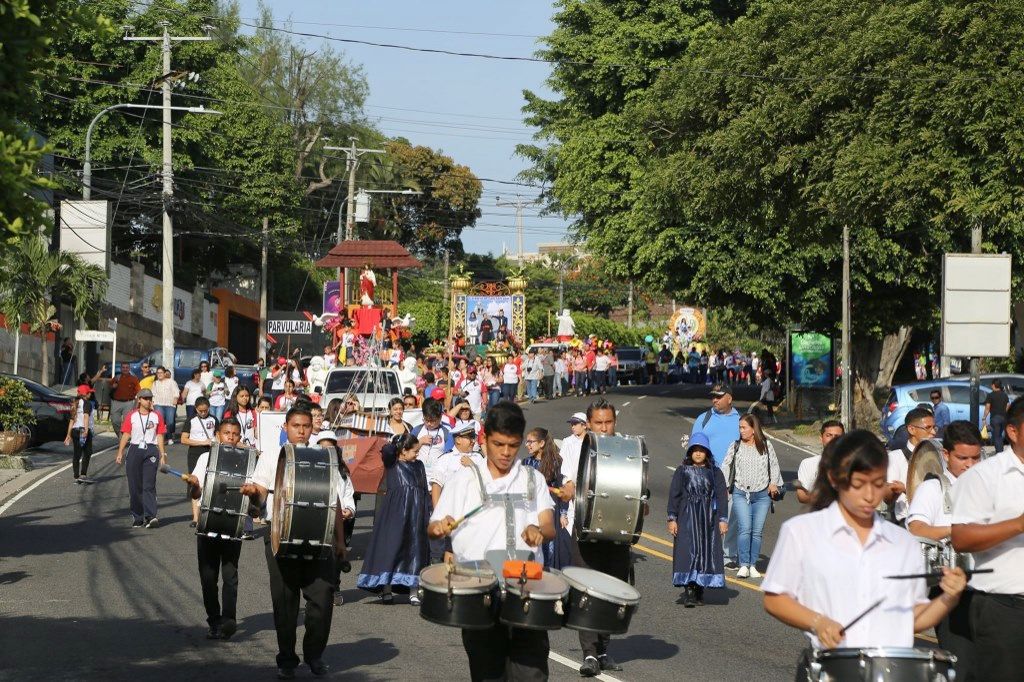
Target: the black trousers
(218, 557)
(504, 653)
(314, 580)
(608, 557)
(192, 458)
(997, 621)
(954, 634)
(141, 467)
(82, 452)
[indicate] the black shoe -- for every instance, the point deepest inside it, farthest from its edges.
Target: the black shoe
(732, 565)
(591, 667)
(339, 598)
(699, 595)
(248, 536)
(192, 524)
(153, 523)
(85, 479)
(228, 628)
(319, 668)
(608, 663)
(345, 566)
(215, 633)
(138, 523)
(286, 673)
(688, 598)
(387, 599)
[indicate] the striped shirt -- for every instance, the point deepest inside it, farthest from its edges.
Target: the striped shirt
(753, 471)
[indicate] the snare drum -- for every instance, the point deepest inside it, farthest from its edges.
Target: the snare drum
(599, 602)
(883, 664)
(462, 595)
(535, 604)
(611, 489)
(939, 555)
(222, 511)
(302, 525)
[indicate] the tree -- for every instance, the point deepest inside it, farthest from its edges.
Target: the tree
(753, 148)
(32, 277)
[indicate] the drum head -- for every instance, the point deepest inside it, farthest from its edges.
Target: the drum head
(550, 587)
(471, 577)
(283, 484)
(884, 652)
(601, 585)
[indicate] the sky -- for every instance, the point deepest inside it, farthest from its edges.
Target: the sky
(470, 108)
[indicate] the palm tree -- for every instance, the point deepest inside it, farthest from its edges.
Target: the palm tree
(31, 277)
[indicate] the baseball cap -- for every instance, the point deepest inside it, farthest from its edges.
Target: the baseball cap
(437, 394)
(719, 390)
(144, 393)
(84, 390)
(468, 429)
(578, 418)
(326, 434)
(281, 361)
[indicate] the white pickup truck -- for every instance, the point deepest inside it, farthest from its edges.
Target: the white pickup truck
(373, 387)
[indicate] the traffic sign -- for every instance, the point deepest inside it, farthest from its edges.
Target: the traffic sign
(94, 335)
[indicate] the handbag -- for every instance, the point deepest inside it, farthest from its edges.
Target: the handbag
(778, 497)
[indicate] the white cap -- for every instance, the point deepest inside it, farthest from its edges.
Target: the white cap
(578, 417)
(326, 434)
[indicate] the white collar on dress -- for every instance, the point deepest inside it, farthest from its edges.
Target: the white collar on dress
(837, 524)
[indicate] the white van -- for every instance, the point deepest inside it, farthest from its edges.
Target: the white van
(373, 387)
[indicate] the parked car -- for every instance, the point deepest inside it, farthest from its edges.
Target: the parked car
(52, 411)
(631, 366)
(1013, 384)
(185, 360)
(905, 397)
(373, 387)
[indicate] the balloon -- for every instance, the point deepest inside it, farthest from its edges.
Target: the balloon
(649, 338)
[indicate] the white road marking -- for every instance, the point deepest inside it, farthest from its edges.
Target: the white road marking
(792, 445)
(569, 663)
(44, 479)
(626, 404)
(641, 397)
(670, 468)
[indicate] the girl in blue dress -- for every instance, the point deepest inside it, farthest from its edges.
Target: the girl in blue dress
(698, 511)
(398, 547)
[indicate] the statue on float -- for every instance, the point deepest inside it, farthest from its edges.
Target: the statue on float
(566, 326)
(367, 284)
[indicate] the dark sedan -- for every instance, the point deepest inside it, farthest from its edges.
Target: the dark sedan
(52, 411)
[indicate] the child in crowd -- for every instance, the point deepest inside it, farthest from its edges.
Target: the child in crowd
(219, 393)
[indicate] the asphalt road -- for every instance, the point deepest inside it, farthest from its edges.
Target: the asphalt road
(84, 596)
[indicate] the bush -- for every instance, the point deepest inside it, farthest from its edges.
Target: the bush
(14, 410)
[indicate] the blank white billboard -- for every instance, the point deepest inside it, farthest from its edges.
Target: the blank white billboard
(976, 305)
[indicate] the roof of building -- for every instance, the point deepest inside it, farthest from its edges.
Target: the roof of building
(374, 253)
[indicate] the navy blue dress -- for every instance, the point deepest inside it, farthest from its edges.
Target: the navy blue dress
(558, 552)
(398, 549)
(697, 501)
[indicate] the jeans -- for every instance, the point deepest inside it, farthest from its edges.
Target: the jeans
(580, 381)
(531, 389)
(82, 451)
(749, 511)
(168, 413)
(190, 411)
(997, 430)
(493, 396)
(600, 380)
(508, 391)
(612, 383)
(729, 540)
(217, 411)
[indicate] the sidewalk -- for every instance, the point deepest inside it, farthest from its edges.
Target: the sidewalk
(41, 461)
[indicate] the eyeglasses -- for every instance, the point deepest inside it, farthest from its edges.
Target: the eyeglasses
(145, 397)
(533, 442)
(930, 427)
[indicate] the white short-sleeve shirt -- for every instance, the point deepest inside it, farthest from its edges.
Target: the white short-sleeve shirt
(200, 469)
(928, 504)
(486, 530)
(202, 428)
(898, 472)
(572, 446)
(820, 562)
(265, 474)
(807, 472)
(990, 492)
(449, 464)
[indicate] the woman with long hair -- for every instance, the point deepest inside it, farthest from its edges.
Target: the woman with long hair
(240, 407)
(397, 425)
(754, 478)
(79, 436)
(829, 565)
(543, 456)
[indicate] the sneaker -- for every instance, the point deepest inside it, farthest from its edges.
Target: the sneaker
(754, 573)
(414, 600)
(248, 536)
(608, 663)
(339, 598)
(387, 599)
(214, 633)
(319, 668)
(85, 479)
(286, 673)
(744, 572)
(732, 565)
(228, 628)
(169, 441)
(591, 667)
(153, 523)
(78, 481)
(138, 523)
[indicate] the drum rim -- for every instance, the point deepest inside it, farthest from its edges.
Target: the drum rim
(441, 587)
(886, 652)
(594, 592)
(512, 586)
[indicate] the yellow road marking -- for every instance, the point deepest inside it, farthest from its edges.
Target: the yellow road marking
(666, 557)
(655, 538)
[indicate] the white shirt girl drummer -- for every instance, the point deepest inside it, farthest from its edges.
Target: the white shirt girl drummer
(831, 564)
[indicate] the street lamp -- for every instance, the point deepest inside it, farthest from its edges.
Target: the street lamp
(87, 166)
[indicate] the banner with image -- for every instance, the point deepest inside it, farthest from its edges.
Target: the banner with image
(811, 360)
(488, 318)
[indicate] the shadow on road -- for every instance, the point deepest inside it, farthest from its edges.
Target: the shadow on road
(641, 647)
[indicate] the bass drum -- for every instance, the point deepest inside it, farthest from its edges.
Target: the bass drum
(222, 508)
(302, 524)
(611, 489)
(883, 664)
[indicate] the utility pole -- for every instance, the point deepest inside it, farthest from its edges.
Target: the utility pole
(263, 289)
(446, 277)
(167, 298)
(352, 154)
(975, 363)
(847, 396)
(629, 307)
(519, 205)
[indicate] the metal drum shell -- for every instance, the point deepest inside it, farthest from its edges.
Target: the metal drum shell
(545, 609)
(594, 609)
(611, 489)
(470, 607)
(881, 664)
(303, 528)
(222, 513)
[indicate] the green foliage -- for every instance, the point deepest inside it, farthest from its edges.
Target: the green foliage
(431, 320)
(15, 412)
(729, 328)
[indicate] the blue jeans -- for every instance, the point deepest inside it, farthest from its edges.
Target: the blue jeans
(531, 389)
(508, 391)
(493, 396)
(749, 516)
(218, 411)
(168, 413)
(997, 430)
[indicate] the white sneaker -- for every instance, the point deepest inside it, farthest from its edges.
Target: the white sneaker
(754, 573)
(744, 572)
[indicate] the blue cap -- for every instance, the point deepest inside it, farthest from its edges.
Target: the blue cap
(700, 439)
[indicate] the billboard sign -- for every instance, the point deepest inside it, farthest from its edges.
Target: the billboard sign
(812, 363)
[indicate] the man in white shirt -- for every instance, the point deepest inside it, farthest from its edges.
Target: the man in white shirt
(807, 472)
(930, 516)
(920, 424)
(988, 523)
(289, 578)
(501, 652)
(572, 445)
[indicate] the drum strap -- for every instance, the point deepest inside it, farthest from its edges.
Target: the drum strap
(508, 500)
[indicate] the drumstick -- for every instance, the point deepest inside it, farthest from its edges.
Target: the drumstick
(164, 469)
(224, 487)
(938, 574)
(862, 614)
(467, 515)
